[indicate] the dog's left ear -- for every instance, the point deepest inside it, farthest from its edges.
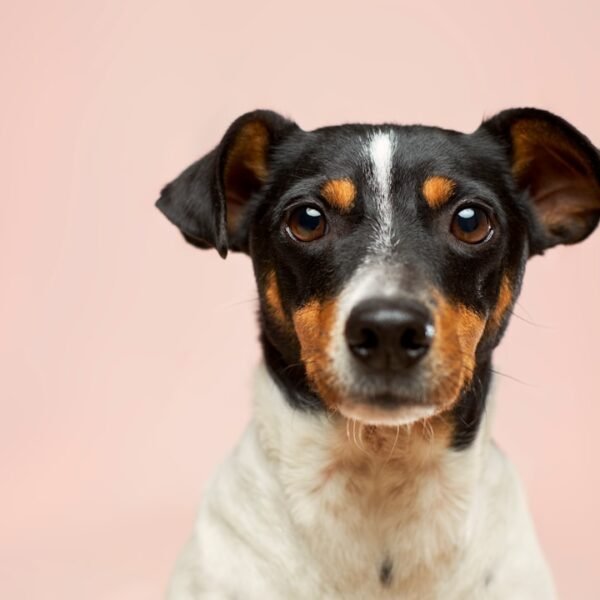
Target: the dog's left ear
(557, 167)
(208, 199)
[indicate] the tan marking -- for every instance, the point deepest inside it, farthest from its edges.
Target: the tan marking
(400, 475)
(339, 193)
(458, 331)
(503, 303)
(458, 328)
(438, 190)
(531, 137)
(558, 176)
(392, 441)
(273, 298)
(245, 169)
(370, 458)
(313, 323)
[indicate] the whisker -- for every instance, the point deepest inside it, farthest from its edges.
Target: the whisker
(529, 322)
(513, 378)
(239, 303)
(393, 445)
(356, 442)
(292, 366)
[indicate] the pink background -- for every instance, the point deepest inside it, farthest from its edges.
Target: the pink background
(125, 355)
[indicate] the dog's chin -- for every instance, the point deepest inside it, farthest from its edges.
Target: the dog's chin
(389, 414)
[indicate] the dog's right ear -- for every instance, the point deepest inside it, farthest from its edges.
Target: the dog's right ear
(207, 200)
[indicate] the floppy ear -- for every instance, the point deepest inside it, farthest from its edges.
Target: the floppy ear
(557, 167)
(207, 200)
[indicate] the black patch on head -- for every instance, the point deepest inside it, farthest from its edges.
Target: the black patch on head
(470, 407)
(385, 572)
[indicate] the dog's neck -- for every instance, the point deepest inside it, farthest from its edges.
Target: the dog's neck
(382, 483)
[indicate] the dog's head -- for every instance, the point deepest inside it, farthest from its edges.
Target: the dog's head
(388, 257)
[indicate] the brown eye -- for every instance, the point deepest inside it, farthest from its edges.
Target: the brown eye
(471, 224)
(306, 224)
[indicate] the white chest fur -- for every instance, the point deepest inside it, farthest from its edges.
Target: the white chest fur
(311, 507)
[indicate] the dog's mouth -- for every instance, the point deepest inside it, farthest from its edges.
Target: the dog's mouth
(401, 400)
(387, 410)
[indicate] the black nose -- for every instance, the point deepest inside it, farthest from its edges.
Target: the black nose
(389, 334)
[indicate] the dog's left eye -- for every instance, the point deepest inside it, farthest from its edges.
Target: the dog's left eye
(306, 223)
(471, 224)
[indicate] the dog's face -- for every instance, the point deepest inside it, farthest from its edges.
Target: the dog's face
(388, 258)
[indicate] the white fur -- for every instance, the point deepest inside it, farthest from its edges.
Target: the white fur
(371, 415)
(381, 148)
(278, 522)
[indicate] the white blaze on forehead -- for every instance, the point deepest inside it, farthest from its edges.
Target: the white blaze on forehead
(380, 154)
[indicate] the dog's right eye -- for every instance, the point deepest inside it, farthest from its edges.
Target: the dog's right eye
(306, 223)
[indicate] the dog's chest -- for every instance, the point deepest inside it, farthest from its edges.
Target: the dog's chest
(304, 509)
(376, 522)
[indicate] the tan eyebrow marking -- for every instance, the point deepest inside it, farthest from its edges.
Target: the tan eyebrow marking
(339, 193)
(438, 190)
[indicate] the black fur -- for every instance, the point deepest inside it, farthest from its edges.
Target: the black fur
(385, 572)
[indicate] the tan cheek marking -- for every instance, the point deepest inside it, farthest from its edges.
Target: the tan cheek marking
(438, 190)
(470, 328)
(273, 298)
(459, 330)
(313, 323)
(503, 303)
(339, 193)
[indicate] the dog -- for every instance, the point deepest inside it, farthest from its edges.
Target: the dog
(388, 259)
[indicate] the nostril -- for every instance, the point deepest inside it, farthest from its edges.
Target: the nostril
(416, 339)
(364, 342)
(411, 340)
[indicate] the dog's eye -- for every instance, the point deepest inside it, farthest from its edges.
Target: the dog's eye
(306, 223)
(471, 224)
